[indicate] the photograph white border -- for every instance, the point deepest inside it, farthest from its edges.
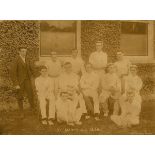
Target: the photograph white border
(77, 10)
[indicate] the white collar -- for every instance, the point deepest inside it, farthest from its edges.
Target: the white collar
(22, 58)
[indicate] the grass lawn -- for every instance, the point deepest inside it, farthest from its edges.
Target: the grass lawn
(11, 124)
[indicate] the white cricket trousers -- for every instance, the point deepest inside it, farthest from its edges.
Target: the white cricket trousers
(95, 97)
(43, 102)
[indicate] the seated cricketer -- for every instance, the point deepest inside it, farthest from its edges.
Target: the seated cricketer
(68, 94)
(133, 80)
(130, 103)
(110, 88)
(45, 91)
(89, 84)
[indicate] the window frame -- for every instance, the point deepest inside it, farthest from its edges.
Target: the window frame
(77, 42)
(150, 57)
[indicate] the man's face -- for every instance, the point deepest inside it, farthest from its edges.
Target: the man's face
(53, 56)
(130, 95)
(99, 46)
(44, 72)
(111, 69)
(68, 68)
(133, 71)
(74, 53)
(88, 68)
(23, 52)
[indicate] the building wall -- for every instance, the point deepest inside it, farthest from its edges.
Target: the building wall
(110, 32)
(14, 34)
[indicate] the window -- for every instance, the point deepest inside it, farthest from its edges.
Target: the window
(59, 36)
(134, 38)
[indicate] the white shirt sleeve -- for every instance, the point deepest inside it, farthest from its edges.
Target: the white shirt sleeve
(139, 84)
(77, 82)
(82, 82)
(105, 59)
(91, 58)
(118, 83)
(82, 66)
(37, 84)
(128, 65)
(95, 83)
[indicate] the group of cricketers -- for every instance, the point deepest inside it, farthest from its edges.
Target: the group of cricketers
(74, 89)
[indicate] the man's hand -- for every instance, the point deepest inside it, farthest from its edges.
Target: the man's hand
(17, 87)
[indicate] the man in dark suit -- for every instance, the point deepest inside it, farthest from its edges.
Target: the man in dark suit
(21, 73)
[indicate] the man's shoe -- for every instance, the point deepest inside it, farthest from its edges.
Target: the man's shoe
(97, 118)
(78, 123)
(44, 122)
(105, 114)
(87, 117)
(70, 124)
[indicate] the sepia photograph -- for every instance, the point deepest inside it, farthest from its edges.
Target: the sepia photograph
(77, 77)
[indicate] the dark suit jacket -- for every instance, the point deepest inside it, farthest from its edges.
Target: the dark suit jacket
(20, 71)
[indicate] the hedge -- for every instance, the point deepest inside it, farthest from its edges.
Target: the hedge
(147, 73)
(106, 31)
(14, 34)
